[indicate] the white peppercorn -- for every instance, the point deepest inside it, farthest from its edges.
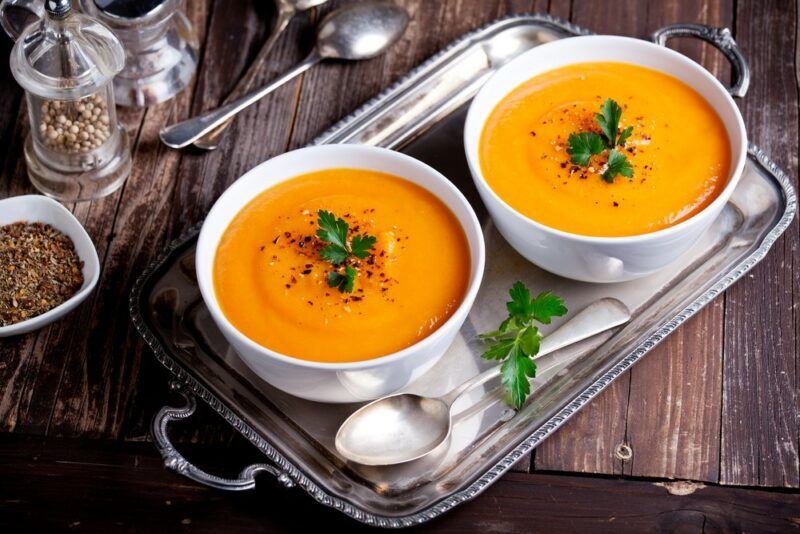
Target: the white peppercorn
(74, 126)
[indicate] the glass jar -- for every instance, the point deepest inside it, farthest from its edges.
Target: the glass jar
(76, 148)
(160, 44)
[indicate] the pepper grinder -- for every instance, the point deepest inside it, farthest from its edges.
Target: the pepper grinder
(76, 148)
(160, 44)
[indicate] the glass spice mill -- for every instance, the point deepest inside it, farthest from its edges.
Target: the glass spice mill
(66, 63)
(76, 148)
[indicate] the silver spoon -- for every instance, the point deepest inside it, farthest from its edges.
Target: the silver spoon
(404, 427)
(286, 10)
(360, 30)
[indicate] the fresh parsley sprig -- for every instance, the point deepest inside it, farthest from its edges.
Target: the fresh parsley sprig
(517, 339)
(338, 251)
(582, 146)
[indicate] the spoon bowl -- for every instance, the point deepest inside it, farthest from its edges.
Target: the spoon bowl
(394, 429)
(360, 30)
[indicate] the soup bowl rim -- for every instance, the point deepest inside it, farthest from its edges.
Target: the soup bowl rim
(738, 159)
(470, 226)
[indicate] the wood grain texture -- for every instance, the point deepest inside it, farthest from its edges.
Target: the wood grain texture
(760, 392)
(102, 487)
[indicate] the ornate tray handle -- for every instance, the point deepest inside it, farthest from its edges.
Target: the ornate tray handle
(176, 461)
(722, 39)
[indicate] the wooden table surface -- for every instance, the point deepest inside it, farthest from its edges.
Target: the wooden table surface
(711, 415)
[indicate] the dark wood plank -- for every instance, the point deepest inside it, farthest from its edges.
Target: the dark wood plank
(101, 486)
(674, 406)
(761, 400)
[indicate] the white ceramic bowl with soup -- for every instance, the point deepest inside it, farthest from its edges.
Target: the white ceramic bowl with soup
(289, 310)
(687, 147)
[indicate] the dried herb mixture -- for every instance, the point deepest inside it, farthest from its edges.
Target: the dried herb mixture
(39, 269)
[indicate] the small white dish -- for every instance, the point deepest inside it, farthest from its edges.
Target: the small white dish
(338, 382)
(38, 208)
(587, 258)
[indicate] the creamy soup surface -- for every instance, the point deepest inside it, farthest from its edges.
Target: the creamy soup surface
(679, 150)
(271, 281)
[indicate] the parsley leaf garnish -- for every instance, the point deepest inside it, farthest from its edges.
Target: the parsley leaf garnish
(617, 164)
(343, 282)
(517, 340)
(624, 135)
(331, 229)
(333, 254)
(608, 119)
(334, 231)
(582, 146)
(361, 245)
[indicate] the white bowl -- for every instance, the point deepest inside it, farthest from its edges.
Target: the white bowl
(601, 259)
(338, 382)
(38, 208)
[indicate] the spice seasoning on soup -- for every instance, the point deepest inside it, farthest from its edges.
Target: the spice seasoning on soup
(39, 269)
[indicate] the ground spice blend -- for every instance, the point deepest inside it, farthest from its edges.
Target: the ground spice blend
(39, 269)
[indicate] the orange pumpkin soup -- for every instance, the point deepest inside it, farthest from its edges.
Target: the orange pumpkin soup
(271, 280)
(678, 149)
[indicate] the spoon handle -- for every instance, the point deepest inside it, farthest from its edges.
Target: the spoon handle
(210, 141)
(187, 132)
(597, 317)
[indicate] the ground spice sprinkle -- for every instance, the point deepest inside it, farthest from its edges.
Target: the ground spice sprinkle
(39, 269)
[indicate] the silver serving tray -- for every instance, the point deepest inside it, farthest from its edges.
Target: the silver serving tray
(423, 115)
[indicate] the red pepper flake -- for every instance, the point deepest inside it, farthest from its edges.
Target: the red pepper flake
(39, 269)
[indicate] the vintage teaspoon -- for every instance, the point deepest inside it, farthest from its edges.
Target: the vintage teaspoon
(286, 10)
(404, 427)
(357, 31)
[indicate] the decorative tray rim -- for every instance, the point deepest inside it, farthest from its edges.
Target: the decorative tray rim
(291, 474)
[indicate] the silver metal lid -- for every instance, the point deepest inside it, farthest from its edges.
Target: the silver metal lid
(58, 9)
